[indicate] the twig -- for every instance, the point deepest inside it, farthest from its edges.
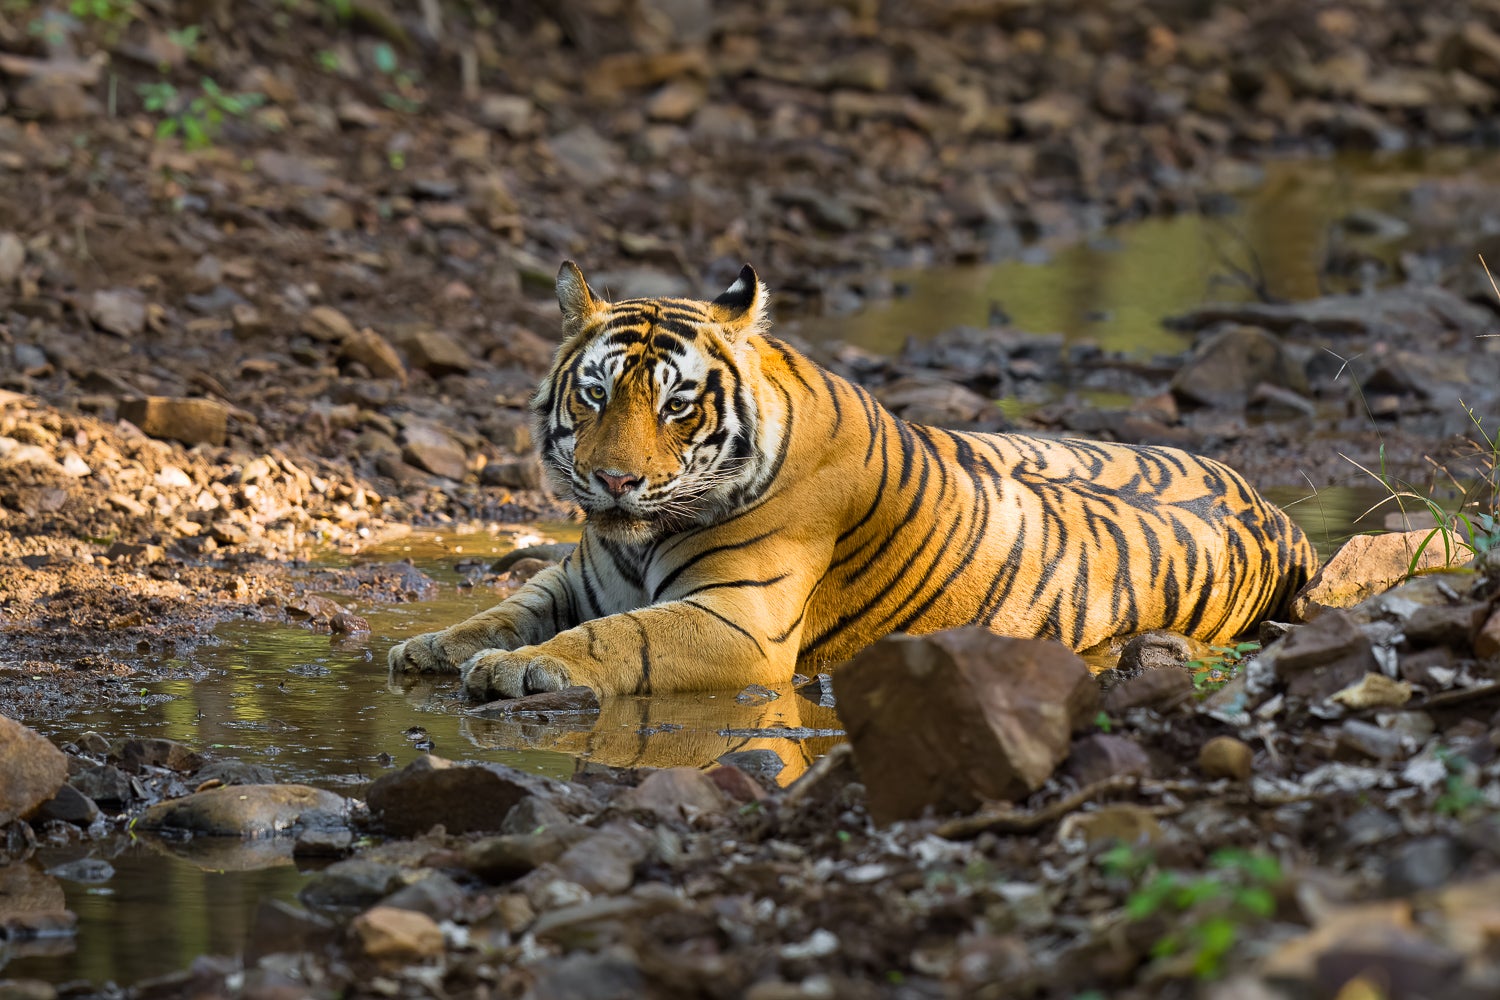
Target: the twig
(1010, 820)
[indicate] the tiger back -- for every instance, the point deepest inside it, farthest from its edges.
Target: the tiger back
(748, 512)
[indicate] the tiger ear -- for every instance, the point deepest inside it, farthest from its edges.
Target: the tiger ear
(575, 297)
(744, 307)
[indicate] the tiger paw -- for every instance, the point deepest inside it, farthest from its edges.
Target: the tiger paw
(429, 653)
(497, 673)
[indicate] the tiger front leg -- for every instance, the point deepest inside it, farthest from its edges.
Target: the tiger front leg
(681, 646)
(533, 614)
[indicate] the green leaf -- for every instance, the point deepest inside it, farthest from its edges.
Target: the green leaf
(385, 58)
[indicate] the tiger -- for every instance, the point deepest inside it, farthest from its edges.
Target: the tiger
(748, 513)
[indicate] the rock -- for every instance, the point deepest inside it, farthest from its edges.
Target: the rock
(675, 794)
(525, 474)
(1160, 689)
(1101, 755)
(191, 421)
(389, 934)
(1445, 625)
(1373, 691)
(1161, 649)
(327, 324)
(107, 785)
(1008, 709)
(435, 894)
(1225, 368)
(247, 811)
(12, 258)
(157, 752)
(120, 311)
(70, 806)
(354, 883)
(605, 862)
(1487, 639)
(569, 701)
(234, 772)
(757, 694)
(587, 158)
(819, 691)
(463, 798)
(763, 764)
(676, 102)
(1364, 739)
(1404, 963)
(348, 623)
(31, 770)
(1422, 864)
(428, 446)
(552, 552)
(1226, 757)
(1407, 314)
(583, 975)
(511, 113)
(437, 353)
(1322, 657)
(931, 401)
(511, 855)
(736, 784)
(374, 352)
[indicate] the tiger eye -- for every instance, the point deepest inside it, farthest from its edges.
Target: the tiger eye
(594, 393)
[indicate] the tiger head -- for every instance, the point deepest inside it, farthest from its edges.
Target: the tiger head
(644, 420)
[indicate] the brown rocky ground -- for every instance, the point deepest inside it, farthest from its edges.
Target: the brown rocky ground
(312, 315)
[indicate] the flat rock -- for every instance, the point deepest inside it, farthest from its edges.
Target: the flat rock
(437, 353)
(1158, 688)
(189, 420)
(1006, 709)
(1418, 314)
(1367, 565)
(31, 770)
(463, 798)
(569, 701)
(247, 811)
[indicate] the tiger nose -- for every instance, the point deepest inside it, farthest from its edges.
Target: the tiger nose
(618, 484)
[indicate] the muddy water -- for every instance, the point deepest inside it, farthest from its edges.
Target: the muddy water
(322, 710)
(1283, 228)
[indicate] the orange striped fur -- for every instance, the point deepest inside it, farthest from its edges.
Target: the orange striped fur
(749, 513)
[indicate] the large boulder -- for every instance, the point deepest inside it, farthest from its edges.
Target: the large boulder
(248, 811)
(949, 720)
(1368, 565)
